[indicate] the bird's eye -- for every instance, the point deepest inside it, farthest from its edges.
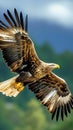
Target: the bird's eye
(22, 37)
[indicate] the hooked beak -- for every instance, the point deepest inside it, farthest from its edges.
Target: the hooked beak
(57, 66)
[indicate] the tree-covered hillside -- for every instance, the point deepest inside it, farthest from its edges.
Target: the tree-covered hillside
(25, 112)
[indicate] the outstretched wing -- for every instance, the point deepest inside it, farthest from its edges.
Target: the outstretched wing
(11, 38)
(53, 93)
(15, 42)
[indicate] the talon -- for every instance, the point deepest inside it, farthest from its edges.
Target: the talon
(19, 86)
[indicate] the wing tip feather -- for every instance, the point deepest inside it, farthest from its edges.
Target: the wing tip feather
(65, 109)
(16, 21)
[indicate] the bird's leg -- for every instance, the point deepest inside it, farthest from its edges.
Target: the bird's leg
(19, 86)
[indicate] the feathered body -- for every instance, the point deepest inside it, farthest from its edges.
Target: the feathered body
(20, 55)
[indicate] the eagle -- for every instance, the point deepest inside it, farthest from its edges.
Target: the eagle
(19, 54)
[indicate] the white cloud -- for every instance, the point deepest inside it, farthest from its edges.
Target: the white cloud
(60, 13)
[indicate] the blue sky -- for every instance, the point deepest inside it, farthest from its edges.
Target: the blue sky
(59, 11)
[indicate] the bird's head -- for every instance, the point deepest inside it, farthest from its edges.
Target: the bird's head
(53, 66)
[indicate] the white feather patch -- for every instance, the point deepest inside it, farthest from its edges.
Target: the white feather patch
(49, 95)
(64, 100)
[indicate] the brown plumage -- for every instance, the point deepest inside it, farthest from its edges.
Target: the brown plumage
(20, 55)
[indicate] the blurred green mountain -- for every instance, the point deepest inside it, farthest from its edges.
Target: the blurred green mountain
(25, 112)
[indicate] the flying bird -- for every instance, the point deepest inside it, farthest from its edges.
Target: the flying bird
(20, 55)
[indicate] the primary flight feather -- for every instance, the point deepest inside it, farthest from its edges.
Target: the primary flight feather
(20, 55)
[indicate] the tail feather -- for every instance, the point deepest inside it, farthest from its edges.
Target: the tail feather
(10, 87)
